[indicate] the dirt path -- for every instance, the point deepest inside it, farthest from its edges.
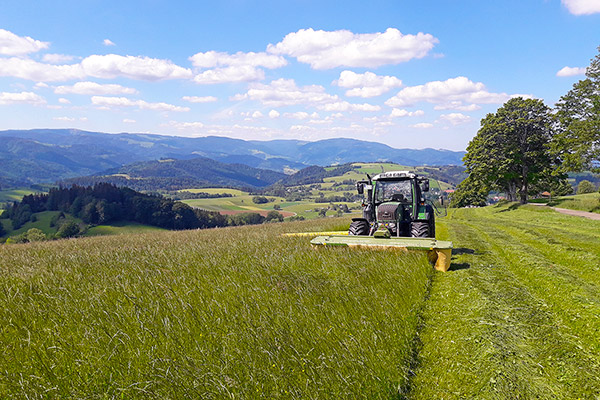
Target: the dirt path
(576, 213)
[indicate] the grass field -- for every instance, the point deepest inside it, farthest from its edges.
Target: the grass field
(519, 315)
(121, 228)
(227, 313)
(14, 194)
(583, 202)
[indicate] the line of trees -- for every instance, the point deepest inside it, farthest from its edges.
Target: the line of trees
(526, 147)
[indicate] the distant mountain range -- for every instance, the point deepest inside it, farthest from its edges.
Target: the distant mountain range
(48, 155)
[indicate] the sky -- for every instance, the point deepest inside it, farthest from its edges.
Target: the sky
(410, 74)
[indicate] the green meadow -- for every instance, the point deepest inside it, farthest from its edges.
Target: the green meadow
(247, 313)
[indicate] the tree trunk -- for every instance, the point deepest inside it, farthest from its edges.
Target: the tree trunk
(524, 185)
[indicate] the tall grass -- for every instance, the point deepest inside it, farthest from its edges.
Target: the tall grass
(224, 313)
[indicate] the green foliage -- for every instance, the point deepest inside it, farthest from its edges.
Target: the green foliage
(68, 228)
(511, 152)
(273, 216)
(586, 186)
(469, 193)
(260, 200)
(578, 122)
(35, 235)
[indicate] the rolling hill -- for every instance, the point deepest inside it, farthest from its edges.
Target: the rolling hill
(48, 155)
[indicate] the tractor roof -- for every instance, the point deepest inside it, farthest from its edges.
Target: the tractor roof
(391, 175)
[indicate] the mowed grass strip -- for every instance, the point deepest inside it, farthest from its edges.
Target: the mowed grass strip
(518, 317)
(223, 313)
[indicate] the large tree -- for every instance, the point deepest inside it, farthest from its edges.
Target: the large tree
(511, 150)
(578, 122)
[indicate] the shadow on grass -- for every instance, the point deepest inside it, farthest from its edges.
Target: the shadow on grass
(512, 207)
(462, 250)
(459, 266)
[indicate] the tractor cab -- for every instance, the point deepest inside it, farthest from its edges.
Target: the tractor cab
(394, 206)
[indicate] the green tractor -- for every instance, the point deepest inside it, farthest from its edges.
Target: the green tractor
(394, 206)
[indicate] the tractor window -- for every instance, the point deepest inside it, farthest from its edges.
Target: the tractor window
(393, 191)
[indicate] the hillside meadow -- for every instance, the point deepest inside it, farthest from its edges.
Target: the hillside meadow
(221, 313)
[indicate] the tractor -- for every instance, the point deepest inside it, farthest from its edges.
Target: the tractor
(394, 206)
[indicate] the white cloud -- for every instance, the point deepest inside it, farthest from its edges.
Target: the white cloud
(455, 118)
(345, 106)
(186, 125)
(454, 91)
(397, 112)
(129, 121)
(422, 125)
(108, 42)
(257, 114)
(237, 73)
(62, 100)
(7, 98)
(457, 105)
(143, 68)
(91, 88)
(57, 58)
(65, 119)
(274, 114)
(213, 59)
(367, 84)
(36, 71)
(196, 99)
(41, 85)
(13, 45)
(571, 71)
(141, 104)
(238, 67)
(285, 92)
(582, 7)
(331, 49)
(301, 115)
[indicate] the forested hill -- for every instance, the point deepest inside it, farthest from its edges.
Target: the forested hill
(48, 155)
(181, 174)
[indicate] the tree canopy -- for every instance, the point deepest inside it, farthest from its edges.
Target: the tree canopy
(511, 151)
(577, 122)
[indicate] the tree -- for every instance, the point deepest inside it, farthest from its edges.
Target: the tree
(469, 193)
(35, 235)
(511, 150)
(577, 122)
(273, 216)
(585, 186)
(68, 228)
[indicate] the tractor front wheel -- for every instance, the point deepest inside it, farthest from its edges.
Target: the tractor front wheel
(359, 228)
(420, 229)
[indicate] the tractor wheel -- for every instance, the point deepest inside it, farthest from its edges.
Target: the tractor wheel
(419, 229)
(360, 227)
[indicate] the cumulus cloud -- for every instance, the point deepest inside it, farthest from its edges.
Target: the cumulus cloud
(582, 7)
(108, 42)
(571, 71)
(237, 73)
(57, 58)
(212, 59)
(107, 67)
(457, 105)
(367, 84)
(107, 102)
(91, 88)
(14, 45)
(7, 98)
(455, 118)
(239, 67)
(274, 114)
(331, 49)
(129, 121)
(40, 72)
(397, 112)
(301, 115)
(142, 68)
(62, 100)
(452, 92)
(285, 92)
(197, 99)
(422, 125)
(64, 119)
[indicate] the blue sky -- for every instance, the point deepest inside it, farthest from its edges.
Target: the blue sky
(406, 73)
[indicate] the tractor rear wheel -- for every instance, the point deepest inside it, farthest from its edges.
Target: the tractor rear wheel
(420, 229)
(360, 228)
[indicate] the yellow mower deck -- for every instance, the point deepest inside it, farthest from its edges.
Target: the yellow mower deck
(439, 252)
